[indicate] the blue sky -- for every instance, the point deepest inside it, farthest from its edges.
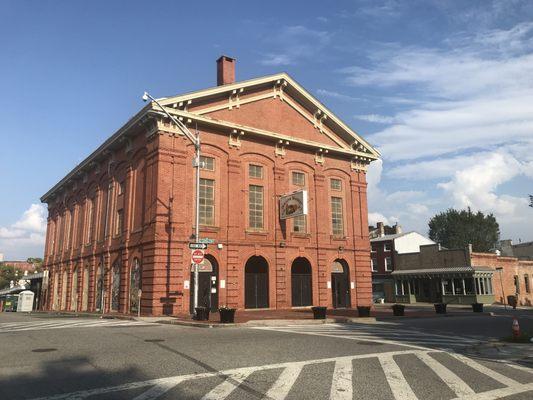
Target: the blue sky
(443, 88)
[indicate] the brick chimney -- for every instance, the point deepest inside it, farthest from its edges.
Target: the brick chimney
(225, 70)
(380, 229)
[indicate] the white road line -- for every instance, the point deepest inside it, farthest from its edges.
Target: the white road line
(223, 390)
(498, 393)
(399, 386)
(519, 367)
(180, 378)
(338, 336)
(453, 381)
(485, 370)
(155, 391)
(281, 388)
(342, 384)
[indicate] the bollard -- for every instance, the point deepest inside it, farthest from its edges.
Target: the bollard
(516, 328)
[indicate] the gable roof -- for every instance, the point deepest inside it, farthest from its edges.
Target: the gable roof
(291, 87)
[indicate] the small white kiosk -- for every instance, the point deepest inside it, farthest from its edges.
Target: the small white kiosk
(25, 303)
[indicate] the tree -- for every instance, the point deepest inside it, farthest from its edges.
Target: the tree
(457, 229)
(531, 200)
(9, 273)
(37, 261)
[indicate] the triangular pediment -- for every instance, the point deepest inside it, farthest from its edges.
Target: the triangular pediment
(275, 104)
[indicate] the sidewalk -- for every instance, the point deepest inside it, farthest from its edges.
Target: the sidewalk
(245, 318)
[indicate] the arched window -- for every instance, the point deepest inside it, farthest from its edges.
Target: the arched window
(74, 291)
(115, 287)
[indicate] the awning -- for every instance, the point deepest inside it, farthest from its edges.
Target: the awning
(443, 271)
(16, 289)
(37, 275)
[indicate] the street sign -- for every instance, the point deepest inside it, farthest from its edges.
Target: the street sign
(206, 240)
(201, 246)
(197, 256)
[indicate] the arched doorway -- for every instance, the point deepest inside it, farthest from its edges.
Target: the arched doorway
(64, 283)
(99, 288)
(301, 287)
(115, 287)
(207, 285)
(340, 284)
(85, 289)
(74, 291)
(135, 285)
(256, 283)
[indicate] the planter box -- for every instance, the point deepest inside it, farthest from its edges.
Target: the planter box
(440, 308)
(363, 311)
(202, 314)
(227, 315)
(398, 310)
(477, 307)
(319, 312)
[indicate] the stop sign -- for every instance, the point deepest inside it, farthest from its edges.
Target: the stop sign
(197, 256)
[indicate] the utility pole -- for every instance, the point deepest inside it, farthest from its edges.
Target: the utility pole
(195, 140)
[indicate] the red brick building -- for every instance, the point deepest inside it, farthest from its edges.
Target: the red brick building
(123, 218)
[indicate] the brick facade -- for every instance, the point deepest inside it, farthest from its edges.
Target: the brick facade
(514, 275)
(131, 203)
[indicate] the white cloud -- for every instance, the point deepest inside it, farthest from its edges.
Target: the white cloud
(469, 130)
(380, 119)
(337, 95)
(293, 44)
(374, 218)
(25, 237)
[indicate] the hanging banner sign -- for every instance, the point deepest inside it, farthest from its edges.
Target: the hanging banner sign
(293, 204)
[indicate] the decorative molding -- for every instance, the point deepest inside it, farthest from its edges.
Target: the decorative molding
(233, 100)
(360, 163)
(279, 85)
(280, 148)
(319, 156)
(235, 138)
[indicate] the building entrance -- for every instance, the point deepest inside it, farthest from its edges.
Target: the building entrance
(302, 289)
(256, 283)
(207, 285)
(340, 284)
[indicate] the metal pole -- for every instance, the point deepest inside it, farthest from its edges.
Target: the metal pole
(503, 293)
(197, 216)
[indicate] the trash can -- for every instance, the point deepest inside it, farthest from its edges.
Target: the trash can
(319, 312)
(202, 313)
(477, 307)
(440, 308)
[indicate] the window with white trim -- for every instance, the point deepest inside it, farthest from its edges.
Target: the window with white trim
(337, 224)
(374, 264)
(207, 202)
(255, 207)
(388, 264)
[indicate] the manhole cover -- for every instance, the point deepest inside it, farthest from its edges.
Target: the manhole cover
(46, 350)
(154, 340)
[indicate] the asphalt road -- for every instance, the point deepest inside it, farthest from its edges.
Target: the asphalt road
(84, 358)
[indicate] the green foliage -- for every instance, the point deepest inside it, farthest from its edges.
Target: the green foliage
(456, 229)
(9, 273)
(37, 261)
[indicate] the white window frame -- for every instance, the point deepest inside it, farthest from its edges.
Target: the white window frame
(388, 265)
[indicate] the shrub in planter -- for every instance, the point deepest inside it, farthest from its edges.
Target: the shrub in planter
(227, 315)
(363, 311)
(477, 307)
(440, 308)
(319, 312)
(398, 310)
(202, 313)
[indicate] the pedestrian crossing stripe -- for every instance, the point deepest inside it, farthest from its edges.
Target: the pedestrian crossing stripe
(411, 338)
(61, 324)
(341, 384)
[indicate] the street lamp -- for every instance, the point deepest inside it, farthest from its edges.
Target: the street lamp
(500, 269)
(195, 140)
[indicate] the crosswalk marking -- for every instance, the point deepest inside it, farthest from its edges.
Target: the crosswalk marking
(453, 381)
(399, 386)
(411, 338)
(280, 389)
(223, 390)
(341, 379)
(485, 370)
(62, 324)
(342, 386)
